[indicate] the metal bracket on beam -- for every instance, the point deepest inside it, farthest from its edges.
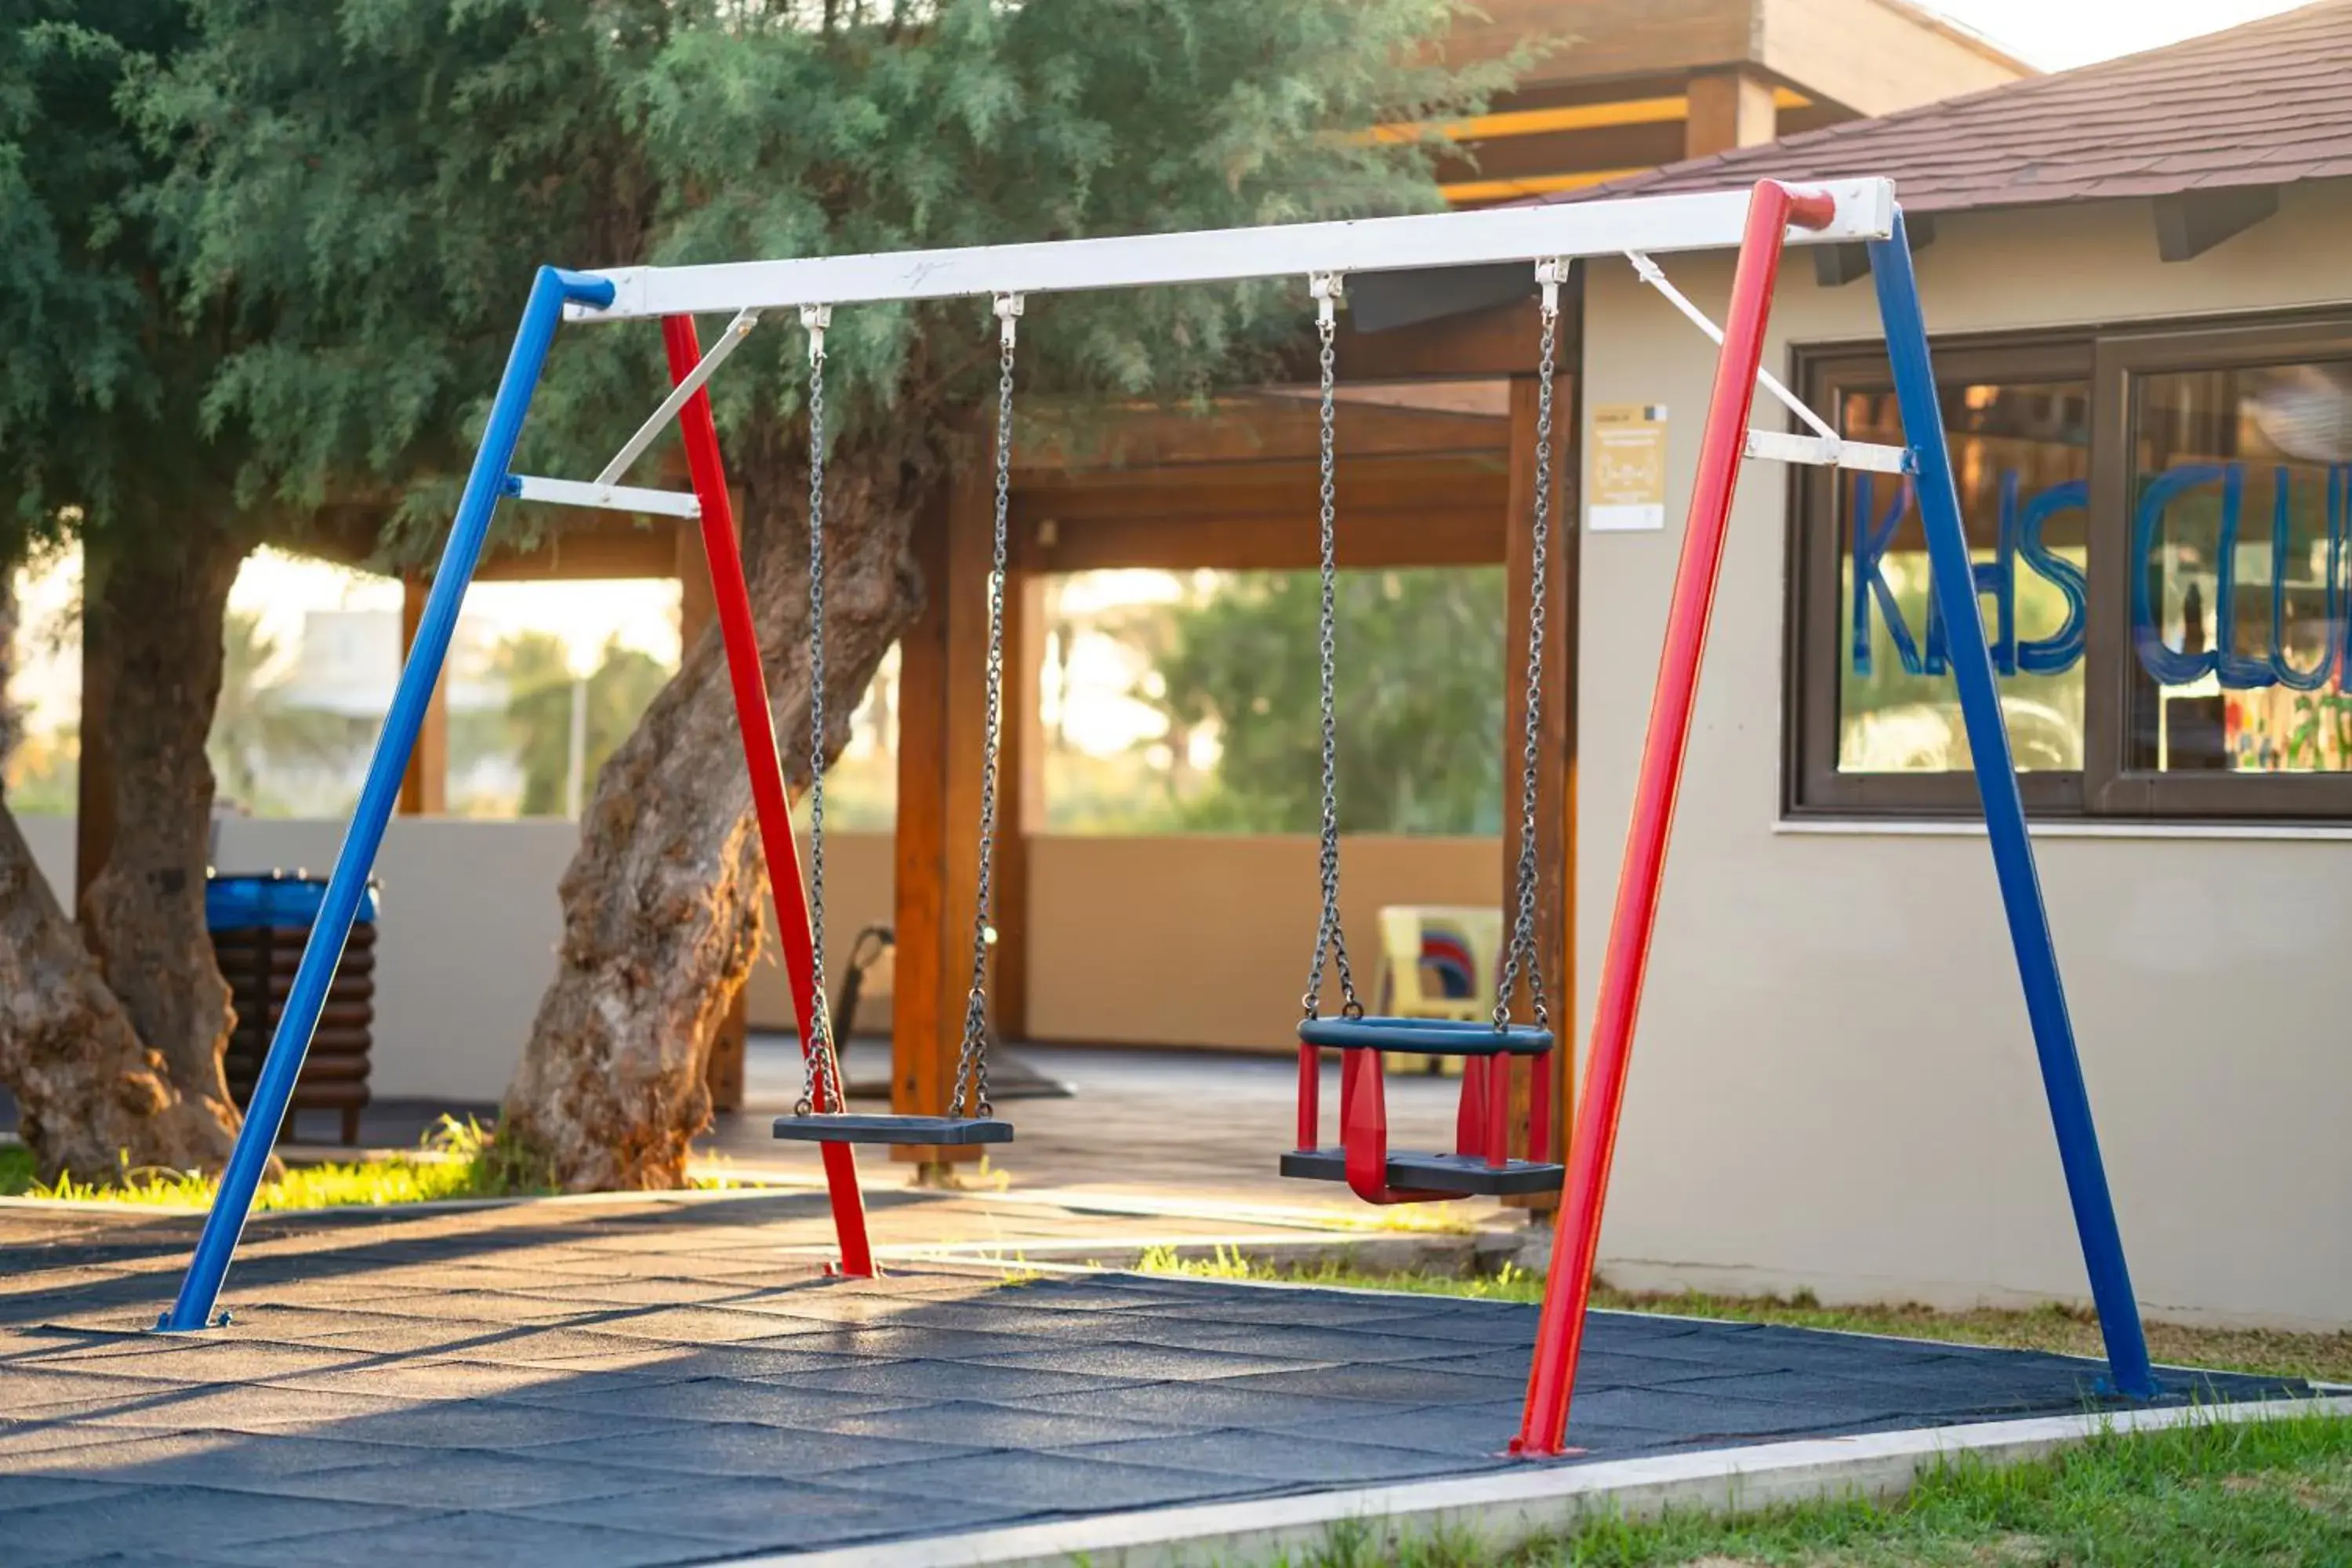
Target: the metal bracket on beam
(1820, 452)
(607, 497)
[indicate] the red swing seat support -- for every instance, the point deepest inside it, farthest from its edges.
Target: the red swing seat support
(1481, 1164)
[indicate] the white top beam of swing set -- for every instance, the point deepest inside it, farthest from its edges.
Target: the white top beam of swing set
(1654, 225)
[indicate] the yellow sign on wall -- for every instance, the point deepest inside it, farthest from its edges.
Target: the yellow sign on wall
(1628, 490)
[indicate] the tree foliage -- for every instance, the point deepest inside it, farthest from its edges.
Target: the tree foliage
(102, 374)
(1418, 700)
(363, 189)
(359, 190)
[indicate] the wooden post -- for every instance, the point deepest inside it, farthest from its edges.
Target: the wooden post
(1556, 740)
(940, 662)
(1024, 662)
(1728, 109)
(698, 611)
(425, 787)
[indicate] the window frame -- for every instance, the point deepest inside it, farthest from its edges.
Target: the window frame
(2111, 789)
(1812, 784)
(2108, 358)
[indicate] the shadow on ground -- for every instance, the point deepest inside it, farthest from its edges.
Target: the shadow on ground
(651, 1381)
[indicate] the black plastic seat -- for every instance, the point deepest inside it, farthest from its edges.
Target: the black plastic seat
(1466, 1176)
(1426, 1037)
(845, 1128)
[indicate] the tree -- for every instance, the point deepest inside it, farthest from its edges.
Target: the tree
(1418, 699)
(368, 182)
(111, 1036)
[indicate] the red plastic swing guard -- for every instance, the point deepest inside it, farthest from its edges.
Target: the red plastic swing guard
(1482, 1122)
(1568, 1287)
(733, 602)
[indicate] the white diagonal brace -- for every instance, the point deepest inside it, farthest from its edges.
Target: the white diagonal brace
(609, 497)
(737, 331)
(1656, 278)
(1785, 446)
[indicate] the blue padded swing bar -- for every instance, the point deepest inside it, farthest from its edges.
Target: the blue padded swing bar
(1426, 1037)
(1953, 581)
(926, 1132)
(544, 312)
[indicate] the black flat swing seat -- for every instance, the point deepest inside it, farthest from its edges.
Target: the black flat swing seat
(840, 1127)
(1466, 1174)
(1426, 1037)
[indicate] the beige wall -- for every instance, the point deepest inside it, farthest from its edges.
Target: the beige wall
(1206, 941)
(1835, 1086)
(1176, 940)
(1190, 941)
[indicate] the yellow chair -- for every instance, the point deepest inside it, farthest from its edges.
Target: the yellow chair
(1438, 962)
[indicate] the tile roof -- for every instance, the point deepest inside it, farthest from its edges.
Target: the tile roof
(2264, 104)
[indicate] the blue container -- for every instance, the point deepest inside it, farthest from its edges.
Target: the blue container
(278, 899)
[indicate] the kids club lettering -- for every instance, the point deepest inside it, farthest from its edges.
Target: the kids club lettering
(2020, 542)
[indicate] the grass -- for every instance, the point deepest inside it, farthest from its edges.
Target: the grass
(455, 1161)
(2266, 1494)
(2324, 1357)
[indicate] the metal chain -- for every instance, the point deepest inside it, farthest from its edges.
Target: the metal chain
(1522, 957)
(971, 1059)
(821, 1081)
(1328, 289)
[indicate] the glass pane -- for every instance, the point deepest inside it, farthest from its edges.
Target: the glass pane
(2020, 454)
(1192, 704)
(2238, 592)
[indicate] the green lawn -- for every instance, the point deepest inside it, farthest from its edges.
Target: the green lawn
(2270, 1494)
(456, 1162)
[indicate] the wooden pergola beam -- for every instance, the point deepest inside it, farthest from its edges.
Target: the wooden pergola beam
(1466, 533)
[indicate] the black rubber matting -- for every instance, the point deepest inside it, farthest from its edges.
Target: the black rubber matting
(659, 1388)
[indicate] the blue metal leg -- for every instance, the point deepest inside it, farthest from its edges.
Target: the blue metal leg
(2004, 810)
(275, 1088)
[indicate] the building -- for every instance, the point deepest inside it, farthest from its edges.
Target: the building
(2136, 282)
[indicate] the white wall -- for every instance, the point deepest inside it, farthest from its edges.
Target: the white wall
(1834, 1085)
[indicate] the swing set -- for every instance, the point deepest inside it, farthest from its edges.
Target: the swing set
(1549, 239)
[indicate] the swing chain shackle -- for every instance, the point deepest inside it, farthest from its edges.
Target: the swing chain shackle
(1328, 289)
(1521, 957)
(821, 1059)
(971, 1054)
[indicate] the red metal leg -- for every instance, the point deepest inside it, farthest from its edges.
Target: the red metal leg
(1568, 1289)
(733, 599)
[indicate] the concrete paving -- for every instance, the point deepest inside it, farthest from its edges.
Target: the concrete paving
(1188, 1126)
(642, 1380)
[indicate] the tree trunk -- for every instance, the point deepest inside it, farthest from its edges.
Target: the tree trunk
(161, 614)
(90, 1097)
(662, 903)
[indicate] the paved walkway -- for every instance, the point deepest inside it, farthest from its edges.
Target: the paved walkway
(1168, 1125)
(642, 1380)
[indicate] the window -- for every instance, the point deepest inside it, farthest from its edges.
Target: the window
(2159, 523)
